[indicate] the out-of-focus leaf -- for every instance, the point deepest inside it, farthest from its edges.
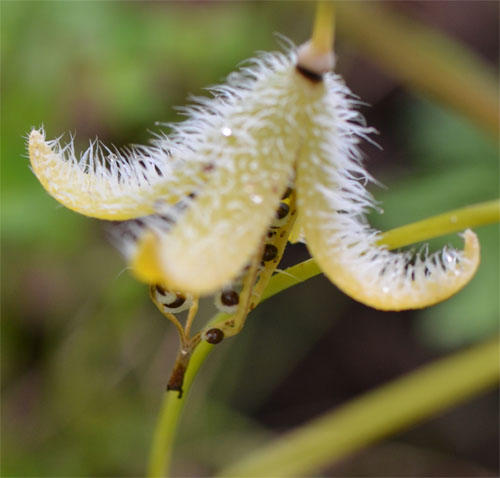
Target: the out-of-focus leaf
(474, 313)
(457, 165)
(424, 59)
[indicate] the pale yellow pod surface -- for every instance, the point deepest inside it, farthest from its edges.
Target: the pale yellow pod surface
(347, 252)
(144, 261)
(104, 194)
(252, 148)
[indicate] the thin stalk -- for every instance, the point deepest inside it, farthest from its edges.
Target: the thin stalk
(323, 29)
(316, 55)
(453, 221)
(191, 315)
(403, 402)
(447, 223)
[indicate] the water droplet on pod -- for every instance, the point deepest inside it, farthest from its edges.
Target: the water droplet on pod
(255, 198)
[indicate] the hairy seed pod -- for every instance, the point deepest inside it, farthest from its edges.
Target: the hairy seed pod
(332, 200)
(253, 136)
(283, 118)
(113, 184)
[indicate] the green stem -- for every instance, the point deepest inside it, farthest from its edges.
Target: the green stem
(447, 223)
(166, 426)
(457, 220)
(407, 400)
(453, 221)
(323, 30)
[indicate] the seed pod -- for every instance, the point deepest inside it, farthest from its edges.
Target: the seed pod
(113, 185)
(253, 134)
(333, 200)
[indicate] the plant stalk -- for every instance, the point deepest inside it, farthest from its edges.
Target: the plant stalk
(453, 221)
(392, 407)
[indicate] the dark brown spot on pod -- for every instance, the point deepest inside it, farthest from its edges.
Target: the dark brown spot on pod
(214, 336)
(209, 167)
(270, 252)
(282, 211)
(177, 302)
(310, 75)
(230, 297)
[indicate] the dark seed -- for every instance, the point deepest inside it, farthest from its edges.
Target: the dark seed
(177, 302)
(158, 171)
(214, 336)
(229, 297)
(160, 290)
(270, 252)
(287, 193)
(282, 211)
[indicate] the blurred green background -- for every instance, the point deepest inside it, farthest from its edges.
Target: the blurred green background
(85, 356)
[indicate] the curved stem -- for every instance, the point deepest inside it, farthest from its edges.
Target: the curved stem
(385, 410)
(456, 220)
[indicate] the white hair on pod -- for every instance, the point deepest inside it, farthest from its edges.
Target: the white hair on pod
(333, 202)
